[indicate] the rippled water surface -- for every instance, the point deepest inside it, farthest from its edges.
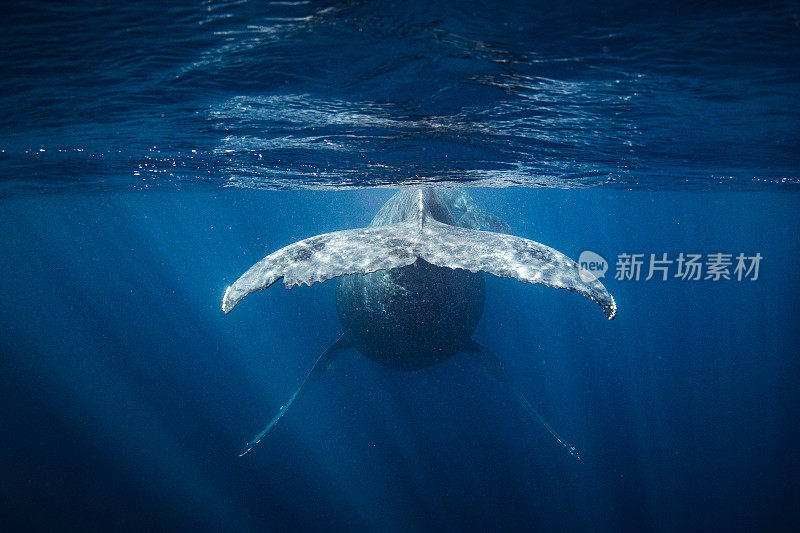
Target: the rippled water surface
(306, 94)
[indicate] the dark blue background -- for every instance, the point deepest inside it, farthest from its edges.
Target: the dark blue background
(125, 392)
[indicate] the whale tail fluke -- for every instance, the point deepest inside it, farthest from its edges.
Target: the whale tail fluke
(365, 250)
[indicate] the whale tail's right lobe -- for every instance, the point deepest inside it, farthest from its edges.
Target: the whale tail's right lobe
(507, 256)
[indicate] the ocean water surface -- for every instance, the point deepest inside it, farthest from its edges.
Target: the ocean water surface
(150, 153)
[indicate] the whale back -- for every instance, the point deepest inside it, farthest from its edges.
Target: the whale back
(415, 316)
(408, 204)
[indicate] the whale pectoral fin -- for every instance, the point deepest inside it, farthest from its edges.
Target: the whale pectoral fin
(508, 256)
(322, 364)
(356, 251)
(495, 367)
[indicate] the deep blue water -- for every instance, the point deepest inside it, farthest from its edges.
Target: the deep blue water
(149, 154)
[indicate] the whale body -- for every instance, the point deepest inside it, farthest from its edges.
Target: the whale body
(411, 291)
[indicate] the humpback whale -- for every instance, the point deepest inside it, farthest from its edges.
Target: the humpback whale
(410, 290)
